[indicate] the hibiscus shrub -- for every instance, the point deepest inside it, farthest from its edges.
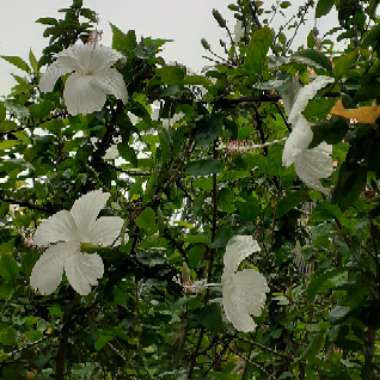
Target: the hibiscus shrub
(161, 224)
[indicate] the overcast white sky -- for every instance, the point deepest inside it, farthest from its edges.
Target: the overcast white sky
(184, 21)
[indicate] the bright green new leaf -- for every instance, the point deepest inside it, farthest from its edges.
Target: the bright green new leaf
(17, 61)
(33, 62)
(8, 144)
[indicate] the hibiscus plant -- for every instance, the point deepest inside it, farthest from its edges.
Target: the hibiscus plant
(161, 224)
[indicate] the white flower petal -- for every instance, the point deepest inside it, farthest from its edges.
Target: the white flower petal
(288, 91)
(305, 94)
(86, 209)
(244, 295)
(112, 153)
(53, 73)
(82, 96)
(314, 164)
(95, 58)
(83, 271)
(47, 272)
(106, 230)
(237, 249)
(59, 227)
(238, 31)
(298, 140)
(111, 82)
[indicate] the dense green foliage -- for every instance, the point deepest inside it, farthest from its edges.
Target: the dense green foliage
(182, 197)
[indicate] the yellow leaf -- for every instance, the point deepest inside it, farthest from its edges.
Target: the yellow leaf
(363, 115)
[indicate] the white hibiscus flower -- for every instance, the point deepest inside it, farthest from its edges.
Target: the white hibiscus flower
(67, 230)
(244, 292)
(311, 164)
(92, 77)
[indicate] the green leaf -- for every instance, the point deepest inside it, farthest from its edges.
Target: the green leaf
(250, 209)
(327, 280)
(41, 110)
(226, 200)
(102, 341)
(128, 153)
(291, 201)
(372, 38)
(197, 239)
(210, 317)
(8, 266)
(8, 336)
(343, 63)
(171, 75)
(124, 42)
(319, 59)
(257, 50)
(33, 61)
(339, 312)
(208, 129)
(56, 311)
(196, 254)
(8, 144)
(147, 221)
(8, 126)
(324, 7)
(165, 145)
(204, 167)
(17, 61)
(47, 21)
(3, 112)
(351, 182)
(314, 347)
(332, 131)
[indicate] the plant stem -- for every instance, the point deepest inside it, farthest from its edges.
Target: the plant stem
(61, 354)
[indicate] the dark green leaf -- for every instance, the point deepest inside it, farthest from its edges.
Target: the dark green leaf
(351, 182)
(3, 112)
(328, 280)
(47, 21)
(210, 317)
(332, 131)
(128, 153)
(292, 200)
(8, 336)
(324, 7)
(147, 221)
(204, 167)
(102, 341)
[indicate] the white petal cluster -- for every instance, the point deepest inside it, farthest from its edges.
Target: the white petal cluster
(63, 233)
(92, 77)
(238, 31)
(311, 164)
(244, 292)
